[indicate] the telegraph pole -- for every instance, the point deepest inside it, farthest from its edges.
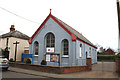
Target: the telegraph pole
(15, 49)
(118, 11)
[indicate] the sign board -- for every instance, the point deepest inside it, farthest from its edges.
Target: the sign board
(47, 57)
(26, 56)
(49, 50)
(54, 57)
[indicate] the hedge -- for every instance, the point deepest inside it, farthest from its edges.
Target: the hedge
(107, 58)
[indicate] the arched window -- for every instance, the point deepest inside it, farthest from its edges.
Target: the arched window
(80, 50)
(36, 45)
(65, 48)
(50, 40)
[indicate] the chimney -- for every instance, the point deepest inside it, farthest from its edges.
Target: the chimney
(12, 28)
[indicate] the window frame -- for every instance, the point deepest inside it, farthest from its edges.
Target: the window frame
(80, 54)
(7, 41)
(65, 48)
(89, 51)
(36, 49)
(50, 37)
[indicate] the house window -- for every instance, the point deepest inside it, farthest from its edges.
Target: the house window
(50, 40)
(36, 45)
(93, 52)
(80, 50)
(7, 42)
(89, 51)
(65, 49)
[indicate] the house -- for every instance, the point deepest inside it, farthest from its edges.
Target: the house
(7, 40)
(109, 51)
(60, 45)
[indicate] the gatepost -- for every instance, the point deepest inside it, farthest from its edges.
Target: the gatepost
(89, 64)
(118, 65)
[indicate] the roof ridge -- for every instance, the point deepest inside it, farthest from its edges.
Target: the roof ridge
(67, 24)
(63, 23)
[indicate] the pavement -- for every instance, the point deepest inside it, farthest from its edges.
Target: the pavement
(83, 74)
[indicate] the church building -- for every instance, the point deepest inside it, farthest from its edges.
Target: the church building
(60, 45)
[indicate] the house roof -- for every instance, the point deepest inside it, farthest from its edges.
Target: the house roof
(109, 51)
(16, 34)
(75, 35)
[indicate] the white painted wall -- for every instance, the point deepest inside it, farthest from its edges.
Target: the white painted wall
(20, 47)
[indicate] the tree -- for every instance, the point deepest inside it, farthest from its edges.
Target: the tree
(101, 50)
(5, 53)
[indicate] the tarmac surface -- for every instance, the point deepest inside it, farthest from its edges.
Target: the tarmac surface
(84, 74)
(13, 74)
(97, 72)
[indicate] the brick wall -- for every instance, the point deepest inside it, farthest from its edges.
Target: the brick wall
(55, 69)
(89, 64)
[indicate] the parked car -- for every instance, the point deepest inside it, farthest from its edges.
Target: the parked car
(4, 63)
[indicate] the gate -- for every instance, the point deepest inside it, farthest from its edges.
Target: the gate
(105, 63)
(26, 56)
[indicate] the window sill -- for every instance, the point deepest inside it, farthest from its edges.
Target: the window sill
(35, 55)
(65, 56)
(89, 56)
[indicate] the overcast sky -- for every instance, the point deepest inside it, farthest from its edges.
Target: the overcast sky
(95, 19)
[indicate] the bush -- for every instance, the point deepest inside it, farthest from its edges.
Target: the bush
(11, 60)
(43, 62)
(107, 58)
(28, 61)
(118, 55)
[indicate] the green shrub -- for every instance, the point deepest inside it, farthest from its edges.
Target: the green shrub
(43, 62)
(107, 58)
(11, 60)
(28, 61)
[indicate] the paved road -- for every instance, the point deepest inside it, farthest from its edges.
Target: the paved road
(104, 66)
(108, 67)
(10, 74)
(99, 70)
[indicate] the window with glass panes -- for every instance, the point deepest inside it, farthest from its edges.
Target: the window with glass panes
(65, 46)
(80, 50)
(89, 51)
(50, 40)
(7, 42)
(36, 48)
